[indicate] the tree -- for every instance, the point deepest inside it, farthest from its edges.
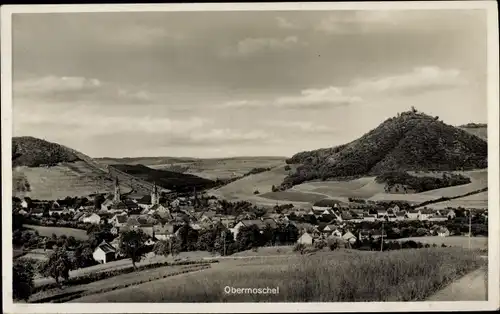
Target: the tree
(132, 245)
(58, 265)
(22, 279)
(98, 200)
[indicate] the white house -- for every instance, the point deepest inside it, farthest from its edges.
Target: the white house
(425, 214)
(306, 239)
(443, 232)
(451, 214)
(92, 218)
(413, 214)
(348, 236)
(104, 253)
(25, 204)
(119, 220)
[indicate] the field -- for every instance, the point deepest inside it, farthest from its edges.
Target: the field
(59, 231)
(306, 194)
(456, 241)
(479, 180)
(212, 169)
(339, 276)
(479, 200)
(115, 282)
(65, 179)
(244, 188)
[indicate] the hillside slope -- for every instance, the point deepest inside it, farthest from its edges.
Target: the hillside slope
(410, 141)
(478, 129)
(45, 170)
(176, 181)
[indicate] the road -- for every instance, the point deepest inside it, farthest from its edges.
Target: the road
(471, 287)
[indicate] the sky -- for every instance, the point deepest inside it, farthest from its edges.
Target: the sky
(222, 84)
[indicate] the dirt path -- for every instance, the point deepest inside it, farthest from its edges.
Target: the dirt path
(471, 287)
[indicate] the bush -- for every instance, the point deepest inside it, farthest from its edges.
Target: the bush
(299, 247)
(320, 244)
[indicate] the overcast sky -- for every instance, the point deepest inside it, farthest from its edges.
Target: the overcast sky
(210, 84)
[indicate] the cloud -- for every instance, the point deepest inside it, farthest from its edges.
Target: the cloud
(307, 99)
(388, 21)
(251, 46)
(217, 136)
(311, 98)
(302, 126)
(420, 79)
(284, 23)
(74, 89)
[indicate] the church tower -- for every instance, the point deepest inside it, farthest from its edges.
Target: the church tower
(155, 199)
(117, 196)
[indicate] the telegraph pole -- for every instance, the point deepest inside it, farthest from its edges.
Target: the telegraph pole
(470, 226)
(382, 238)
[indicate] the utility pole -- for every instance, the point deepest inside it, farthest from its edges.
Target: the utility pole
(382, 237)
(470, 226)
(224, 240)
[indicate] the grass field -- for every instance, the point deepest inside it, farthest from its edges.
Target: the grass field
(224, 168)
(479, 180)
(116, 282)
(59, 231)
(66, 179)
(479, 200)
(339, 276)
(456, 241)
(244, 188)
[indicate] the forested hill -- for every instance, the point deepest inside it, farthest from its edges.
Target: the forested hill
(409, 141)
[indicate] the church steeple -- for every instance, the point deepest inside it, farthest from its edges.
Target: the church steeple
(117, 196)
(154, 195)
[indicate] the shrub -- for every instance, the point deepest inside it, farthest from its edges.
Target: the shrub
(320, 244)
(299, 247)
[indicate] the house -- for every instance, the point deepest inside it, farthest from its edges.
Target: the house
(23, 212)
(162, 211)
(329, 228)
(326, 204)
(451, 214)
(364, 234)
(413, 214)
(381, 213)
(349, 237)
(425, 214)
(92, 218)
(104, 253)
(78, 215)
(163, 232)
(36, 212)
(369, 217)
(25, 203)
(119, 220)
(436, 217)
(401, 215)
(306, 239)
(55, 210)
(246, 223)
(443, 232)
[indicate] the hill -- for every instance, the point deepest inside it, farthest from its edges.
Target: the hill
(208, 168)
(410, 141)
(478, 129)
(171, 180)
(46, 170)
(33, 152)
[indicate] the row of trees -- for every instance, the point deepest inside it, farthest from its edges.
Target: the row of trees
(420, 183)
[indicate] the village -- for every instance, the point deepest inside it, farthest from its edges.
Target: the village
(161, 217)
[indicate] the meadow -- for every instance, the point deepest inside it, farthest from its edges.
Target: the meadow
(338, 276)
(479, 200)
(454, 241)
(224, 168)
(59, 231)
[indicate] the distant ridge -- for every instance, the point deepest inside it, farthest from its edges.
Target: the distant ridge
(410, 141)
(478, 129)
